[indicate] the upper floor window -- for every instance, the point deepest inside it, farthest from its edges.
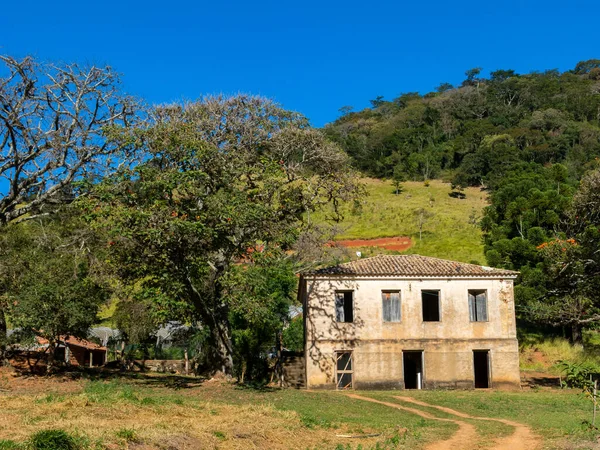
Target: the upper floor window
(391, 306)
(430, 301)
(344, 308)
(478, 305)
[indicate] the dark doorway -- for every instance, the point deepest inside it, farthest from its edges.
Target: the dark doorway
(481, 366)
(413, 369)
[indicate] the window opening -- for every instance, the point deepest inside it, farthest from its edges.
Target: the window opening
(431, 306)
(343, 306)
(391, 306)
(478, 306)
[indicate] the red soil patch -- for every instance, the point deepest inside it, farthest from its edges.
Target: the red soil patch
(399, 243)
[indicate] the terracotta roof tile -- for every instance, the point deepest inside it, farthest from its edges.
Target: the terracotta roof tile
(73, 341)
(412, 265)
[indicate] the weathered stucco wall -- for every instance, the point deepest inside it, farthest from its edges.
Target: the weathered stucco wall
(377, 346)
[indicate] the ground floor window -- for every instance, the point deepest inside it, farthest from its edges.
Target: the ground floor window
(343, 371)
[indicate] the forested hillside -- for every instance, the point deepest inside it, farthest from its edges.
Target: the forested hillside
(483, 127)
(528, 140)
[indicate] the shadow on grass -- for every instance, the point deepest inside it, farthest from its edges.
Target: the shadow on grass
(256, 387)
(149, 379)
(171, 381)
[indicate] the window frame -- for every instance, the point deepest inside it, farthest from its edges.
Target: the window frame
(439, 291)
(487, 311)
(344, 291)
(338, 354)
(391, 291)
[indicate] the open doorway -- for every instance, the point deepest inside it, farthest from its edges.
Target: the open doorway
(413, 369)
(481, 367)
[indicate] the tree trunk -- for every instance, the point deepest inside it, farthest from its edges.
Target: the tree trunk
(576, 334)
(50, 365)
(279, 365)
(219, 351)
(221, 357)
(214, 314)
(3, 355)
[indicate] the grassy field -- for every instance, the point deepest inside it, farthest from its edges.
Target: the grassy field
(161, 412)
(450, 233)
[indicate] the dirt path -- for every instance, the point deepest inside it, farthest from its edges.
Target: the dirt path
(521, 439)
(465, 438)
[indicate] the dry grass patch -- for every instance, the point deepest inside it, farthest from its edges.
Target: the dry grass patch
(250, 426)
(118, 415)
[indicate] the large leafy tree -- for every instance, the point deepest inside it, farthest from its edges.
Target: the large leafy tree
(51, 279)
(526, 208)
(224, 177)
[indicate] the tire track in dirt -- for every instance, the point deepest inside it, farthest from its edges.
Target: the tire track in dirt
(521, 439)
(464, 438)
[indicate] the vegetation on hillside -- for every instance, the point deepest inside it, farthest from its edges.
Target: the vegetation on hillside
(475, 132)
(452, 231)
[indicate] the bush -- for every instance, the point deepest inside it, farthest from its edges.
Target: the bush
(127, 434)
(578, 375)
(53, 440)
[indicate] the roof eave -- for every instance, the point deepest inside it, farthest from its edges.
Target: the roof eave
(413, 277)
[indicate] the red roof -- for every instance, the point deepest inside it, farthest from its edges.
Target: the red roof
(72, 340)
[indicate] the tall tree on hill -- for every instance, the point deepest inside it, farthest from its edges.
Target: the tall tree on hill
(225, 177)
(572, 266)
(54, 120)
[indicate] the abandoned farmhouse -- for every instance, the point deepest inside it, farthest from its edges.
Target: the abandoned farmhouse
(409, 322)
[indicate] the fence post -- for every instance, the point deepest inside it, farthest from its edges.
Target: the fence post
(187, 362)
(595, 389)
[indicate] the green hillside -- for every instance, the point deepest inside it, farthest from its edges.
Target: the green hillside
(450, 233)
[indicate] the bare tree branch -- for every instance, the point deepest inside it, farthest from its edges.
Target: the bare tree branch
(56, 127)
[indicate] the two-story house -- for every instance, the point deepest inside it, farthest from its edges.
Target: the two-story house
(409, 321)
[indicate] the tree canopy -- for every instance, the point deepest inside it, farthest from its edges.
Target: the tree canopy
(224, 178)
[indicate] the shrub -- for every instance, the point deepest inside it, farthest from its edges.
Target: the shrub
(219, 434)
(578, 375)
(9, 445)
(127, 434)
(53, 440)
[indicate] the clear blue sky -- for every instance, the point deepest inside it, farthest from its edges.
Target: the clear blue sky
(311, 56)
